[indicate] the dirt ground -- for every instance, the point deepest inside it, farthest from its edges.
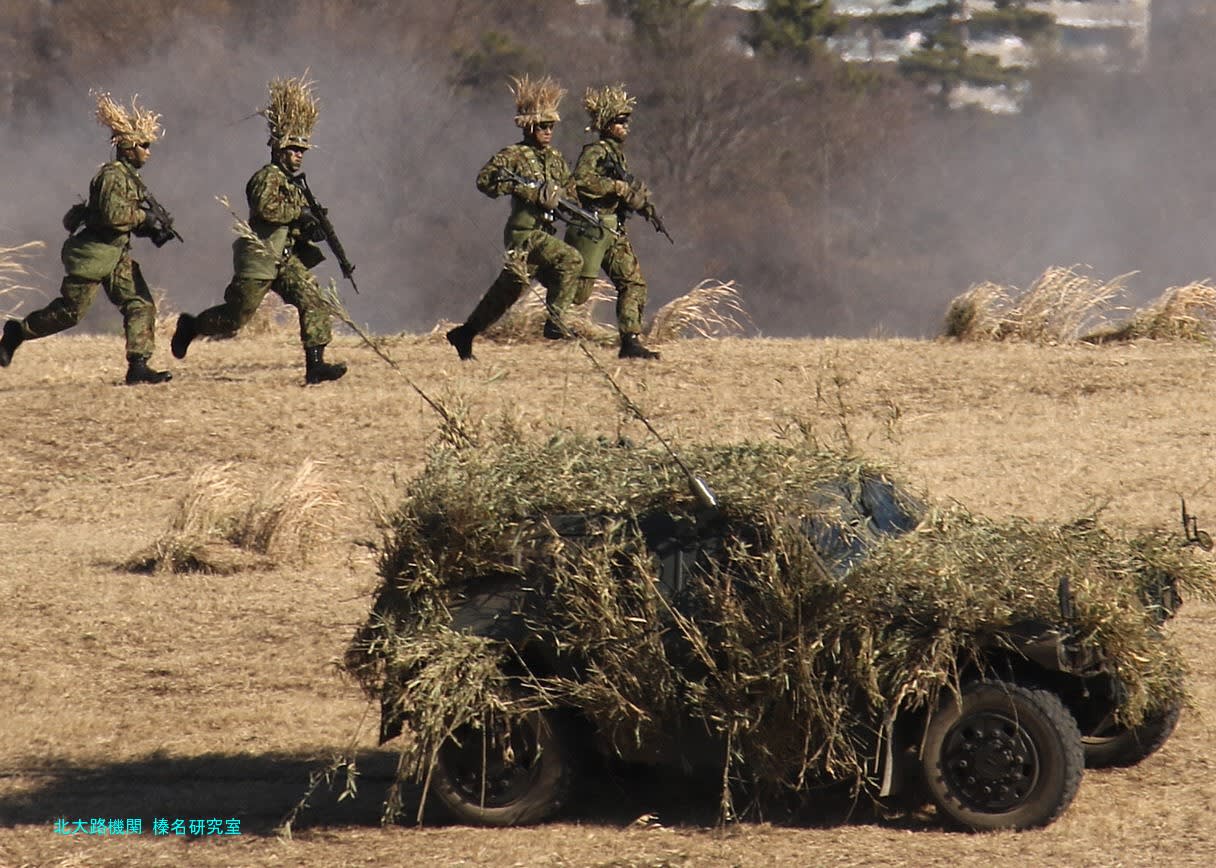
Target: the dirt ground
(129, 695)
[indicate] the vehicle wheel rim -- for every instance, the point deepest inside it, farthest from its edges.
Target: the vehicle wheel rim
(990, 762)
(509, 761)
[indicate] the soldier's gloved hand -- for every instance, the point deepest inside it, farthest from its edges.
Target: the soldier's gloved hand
(75, 216)
(548, 195)
(309, 227)
(146, 227)
(161, 236)
(525, 193)
(637, 196)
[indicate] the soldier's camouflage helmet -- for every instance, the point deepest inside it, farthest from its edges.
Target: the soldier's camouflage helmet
(536, 101)
(605, 103)
(128, 127)
(290, 113)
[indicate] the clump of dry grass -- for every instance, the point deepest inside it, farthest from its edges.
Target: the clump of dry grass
(788, 651)
(14, 271)
(1181, 313)
(526, 318)
(210, 531)
(1059, 307)
(287, 520)
(711, 309)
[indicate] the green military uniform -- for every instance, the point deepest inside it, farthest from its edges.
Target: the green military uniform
(603, 250)
(279, 255)
(97, 253)
(529, 231)
(99, 256)
(272, 263)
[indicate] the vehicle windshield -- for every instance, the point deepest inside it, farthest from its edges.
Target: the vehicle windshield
(850, 517)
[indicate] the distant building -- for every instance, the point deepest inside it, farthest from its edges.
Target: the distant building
(1112, 32)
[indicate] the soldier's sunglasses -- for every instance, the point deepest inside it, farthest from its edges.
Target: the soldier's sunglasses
(623, 120)
(143, 146)
(546, 125)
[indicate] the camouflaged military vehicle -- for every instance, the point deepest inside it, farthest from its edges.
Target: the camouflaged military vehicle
(544, 603)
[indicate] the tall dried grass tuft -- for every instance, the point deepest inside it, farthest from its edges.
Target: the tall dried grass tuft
(1059, 307)
(711, 309)
(287, 520)
(196, 537)
(210, 531)
(525, 320)
(14, 271)
(1181, 313)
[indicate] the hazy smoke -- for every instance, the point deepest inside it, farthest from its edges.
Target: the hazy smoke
(835, 215)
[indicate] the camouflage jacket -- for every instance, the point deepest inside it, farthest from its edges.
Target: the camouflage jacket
(112, 213)
(534, 163)
(275, 203)
(593, 180)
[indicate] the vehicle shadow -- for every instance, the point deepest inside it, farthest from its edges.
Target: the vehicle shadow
(264, 790)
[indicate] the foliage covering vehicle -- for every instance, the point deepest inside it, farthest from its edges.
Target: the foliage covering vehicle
(543, 601)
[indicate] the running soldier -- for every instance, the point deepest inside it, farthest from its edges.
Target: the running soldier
(537, 176)
(97, 253)
(605, 186)
(278, 259)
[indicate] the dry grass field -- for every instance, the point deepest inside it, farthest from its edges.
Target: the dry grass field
(182, 695)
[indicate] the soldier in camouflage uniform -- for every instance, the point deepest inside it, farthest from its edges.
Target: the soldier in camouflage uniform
(279, 257)
(97, 255)
(533, 248)
(613, 198)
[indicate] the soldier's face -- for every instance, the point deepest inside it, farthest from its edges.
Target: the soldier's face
(543, 133)
(137, 155)
(618, 128)
(292, 159)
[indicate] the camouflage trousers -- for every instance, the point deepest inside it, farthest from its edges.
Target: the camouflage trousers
(242, 297)
(622, 268)
(125, 287)
(533, 253)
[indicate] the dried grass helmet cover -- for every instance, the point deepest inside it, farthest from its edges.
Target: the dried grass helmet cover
(605, 103)
(536, 101)
(291, 112)
(128, 126)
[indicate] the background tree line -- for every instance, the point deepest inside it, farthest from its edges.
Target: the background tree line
(843, 199)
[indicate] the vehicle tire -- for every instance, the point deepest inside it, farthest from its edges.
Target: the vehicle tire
(1005, 757)
(1118, 747)
(506, 775)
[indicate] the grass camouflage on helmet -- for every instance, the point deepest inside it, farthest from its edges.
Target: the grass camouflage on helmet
(536, 101)
(291, 112)
(128, 127)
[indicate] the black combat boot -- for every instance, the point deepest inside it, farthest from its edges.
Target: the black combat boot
(317, 370)
(139, 372)
(14, 335)
(186, 331)
(461, 338)
(554, 332)
(631, 348)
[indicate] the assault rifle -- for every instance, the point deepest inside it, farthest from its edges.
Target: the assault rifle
(163, 230)
(567, 209)
(615, 170)
(321, 215)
